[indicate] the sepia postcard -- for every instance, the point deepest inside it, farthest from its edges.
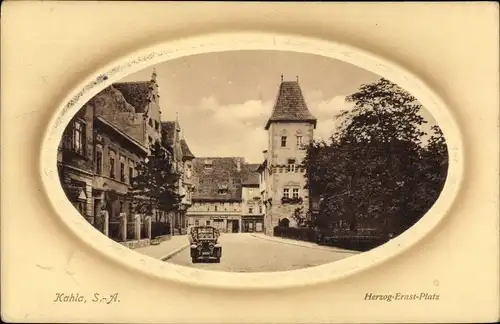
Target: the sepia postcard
(249, 175)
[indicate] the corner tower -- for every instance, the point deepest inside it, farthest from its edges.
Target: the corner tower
(290, 129)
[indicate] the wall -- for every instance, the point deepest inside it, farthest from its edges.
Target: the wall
(106, 142)
(280, 177)
(248, 194)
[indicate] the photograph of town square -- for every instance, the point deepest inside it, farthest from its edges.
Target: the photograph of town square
(274, 160)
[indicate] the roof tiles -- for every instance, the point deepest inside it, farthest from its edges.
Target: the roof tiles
(290, 105)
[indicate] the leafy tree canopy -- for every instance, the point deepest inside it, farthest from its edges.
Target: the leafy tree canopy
(375, 171)
(156, 184)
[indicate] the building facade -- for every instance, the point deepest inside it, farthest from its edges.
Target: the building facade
(252, 216)
(75, 162)
(282, 174)
(101, 149)
(217, 197)
(182, 164)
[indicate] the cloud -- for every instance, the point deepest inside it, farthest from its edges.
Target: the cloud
(213, 129)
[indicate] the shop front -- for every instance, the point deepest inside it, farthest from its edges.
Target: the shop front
(251, 224)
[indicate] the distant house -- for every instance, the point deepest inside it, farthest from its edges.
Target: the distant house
(252, 213)
(217, 196)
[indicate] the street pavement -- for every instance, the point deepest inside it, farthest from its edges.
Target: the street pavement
(165, 249)
(246, 252)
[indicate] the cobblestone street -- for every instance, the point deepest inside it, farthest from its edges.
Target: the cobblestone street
(246, 252)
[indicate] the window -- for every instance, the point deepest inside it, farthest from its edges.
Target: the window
(208, 164)
(250, 210)
(196, 222)
(157, 125)
(286, 193)
(260, 209)
(223, 189)
(98, 162)
(130, 174)
(291, 165)
(112, 165)
(150, 122)
(299, 141)
(295, 193)
(283, 141)
(78, 138)
(215, 208)
(207, 222)
(122, 171)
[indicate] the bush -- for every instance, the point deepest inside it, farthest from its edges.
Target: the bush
(302, 234)
(349, 240)
(159, 229)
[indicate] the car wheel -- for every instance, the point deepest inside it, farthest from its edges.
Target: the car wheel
(218, 260)
(194, 260)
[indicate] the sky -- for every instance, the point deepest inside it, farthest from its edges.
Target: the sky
(223, 100)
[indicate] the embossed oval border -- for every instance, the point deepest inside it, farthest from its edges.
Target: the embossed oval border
(228, 41)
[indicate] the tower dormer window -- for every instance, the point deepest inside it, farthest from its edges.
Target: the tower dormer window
(283, 141)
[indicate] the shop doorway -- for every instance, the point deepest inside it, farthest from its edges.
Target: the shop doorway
(233, 226)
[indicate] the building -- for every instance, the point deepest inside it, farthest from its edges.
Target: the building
(144, 97)
(100, 151)
(75, 162)
(182, 157)
(282, 174)
(252, 208)
(187, 188)
(217, 196)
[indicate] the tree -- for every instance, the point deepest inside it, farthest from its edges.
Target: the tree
(372, 170)
(299, 216)
(156, 184)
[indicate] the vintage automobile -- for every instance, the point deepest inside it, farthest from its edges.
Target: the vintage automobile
(205, 244)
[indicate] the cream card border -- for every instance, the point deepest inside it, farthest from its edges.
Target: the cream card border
(50, 52)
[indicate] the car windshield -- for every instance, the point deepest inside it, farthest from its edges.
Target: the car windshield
(204, 232)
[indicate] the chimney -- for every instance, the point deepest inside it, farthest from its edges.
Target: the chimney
(238, 164)
(154, 75)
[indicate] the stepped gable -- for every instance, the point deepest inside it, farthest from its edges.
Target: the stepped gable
(186, 152)
(218, 178)
(290, 105)
(137, 94)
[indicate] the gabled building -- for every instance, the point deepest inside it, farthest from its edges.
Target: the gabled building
(282, 174)
(182, 158)
(100, 151)
(217, 196)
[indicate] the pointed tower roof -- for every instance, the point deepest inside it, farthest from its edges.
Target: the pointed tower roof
(290, 105)
(186, 152)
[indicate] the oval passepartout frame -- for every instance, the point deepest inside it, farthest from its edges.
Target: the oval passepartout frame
(248, 41)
